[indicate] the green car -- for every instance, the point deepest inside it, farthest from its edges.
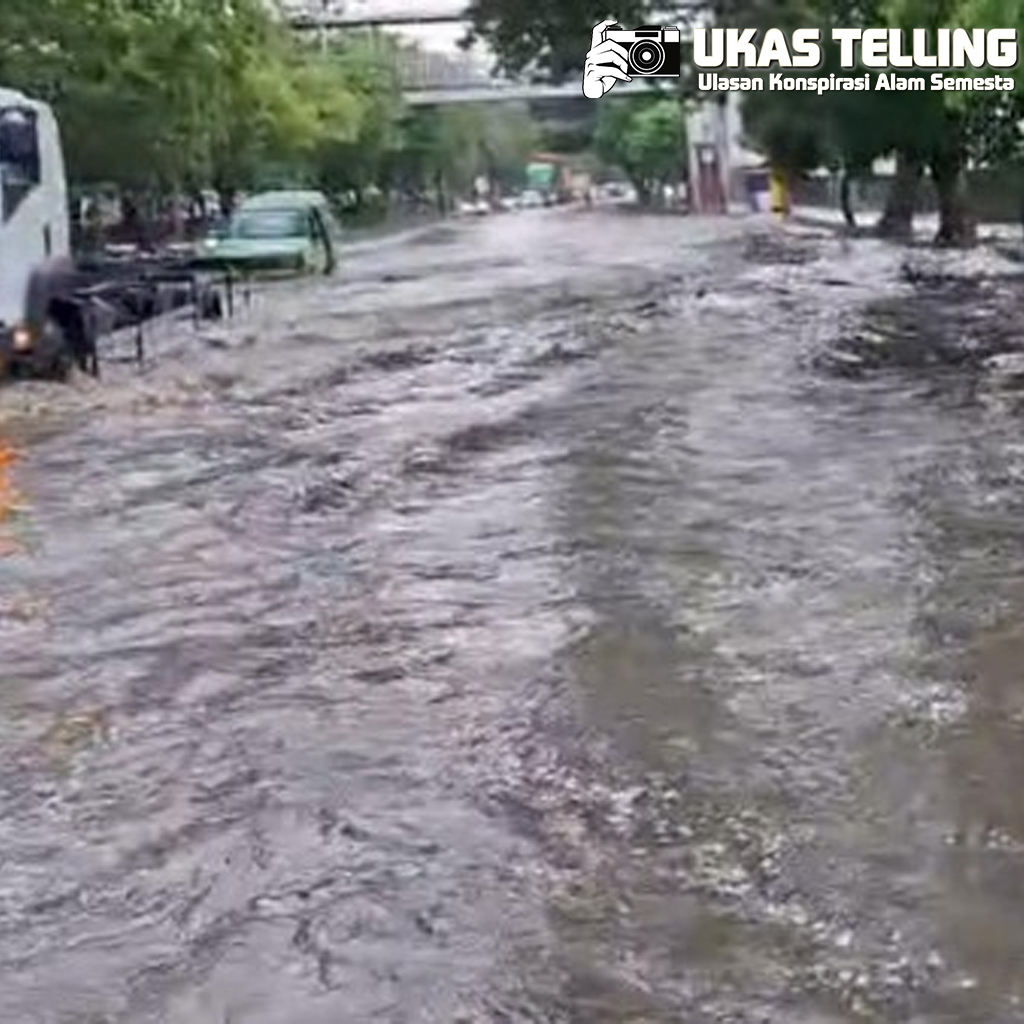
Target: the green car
(290, 232)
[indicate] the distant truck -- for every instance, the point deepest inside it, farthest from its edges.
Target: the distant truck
(582, 186)
(549, 179)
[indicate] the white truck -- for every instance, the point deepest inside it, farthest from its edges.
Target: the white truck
(48, 301)
(35, 250)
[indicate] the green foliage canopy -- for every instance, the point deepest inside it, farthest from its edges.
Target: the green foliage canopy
(644, 137)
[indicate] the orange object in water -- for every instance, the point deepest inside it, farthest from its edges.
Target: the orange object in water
(778, 190)
(10, 500)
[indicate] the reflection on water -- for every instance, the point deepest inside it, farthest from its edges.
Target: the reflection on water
(779, 565)
(985, 861)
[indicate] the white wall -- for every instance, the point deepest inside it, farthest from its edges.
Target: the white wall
(709, 123)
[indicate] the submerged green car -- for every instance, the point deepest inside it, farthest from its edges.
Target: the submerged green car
(290, 232)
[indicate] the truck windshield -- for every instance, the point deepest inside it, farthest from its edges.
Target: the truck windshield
(20, 168)
(268, 224)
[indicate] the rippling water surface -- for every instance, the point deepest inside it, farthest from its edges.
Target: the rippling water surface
(515, 628)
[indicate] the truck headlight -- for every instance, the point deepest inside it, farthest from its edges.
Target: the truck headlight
(22, 339)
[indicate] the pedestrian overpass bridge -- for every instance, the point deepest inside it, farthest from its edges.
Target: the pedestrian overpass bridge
(436, 79)
(432, 79)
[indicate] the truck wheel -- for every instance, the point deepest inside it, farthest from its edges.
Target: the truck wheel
(210, 305)
(62, 363)
(73, 343)
(62, 367)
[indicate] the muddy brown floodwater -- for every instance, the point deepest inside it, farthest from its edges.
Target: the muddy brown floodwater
(518, 628)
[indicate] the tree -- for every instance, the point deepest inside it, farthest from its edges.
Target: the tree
(171, 93)
(442, 149)
(509, 136)
(366, 66)
(646, 138)
(446, 148)
(845, 131)
(935, 131)
(545, 39)
(276, 103)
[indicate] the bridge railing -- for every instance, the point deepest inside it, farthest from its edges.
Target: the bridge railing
(419, 71)
(312, 14)
(426, 70)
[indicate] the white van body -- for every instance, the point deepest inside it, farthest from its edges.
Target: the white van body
(35, 230)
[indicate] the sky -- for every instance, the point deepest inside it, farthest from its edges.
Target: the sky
(440, 37)
(435, 37)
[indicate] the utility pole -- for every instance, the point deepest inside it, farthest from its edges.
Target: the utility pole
(724, 142)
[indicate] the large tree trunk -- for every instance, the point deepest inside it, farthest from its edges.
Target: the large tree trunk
(846, 200)
(897, 219)
(176, 215)
(441, 193)
(644, 194)
(956, 225)
(226, 194)
(198, 215)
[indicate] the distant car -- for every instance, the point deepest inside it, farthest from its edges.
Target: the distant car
(619, 192)
(290, 231)
(474, 208)
(510, 202)
(531, 199)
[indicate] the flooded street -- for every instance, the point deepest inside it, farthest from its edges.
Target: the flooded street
(518, 627)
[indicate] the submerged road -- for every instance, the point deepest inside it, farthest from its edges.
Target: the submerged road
(515, 628)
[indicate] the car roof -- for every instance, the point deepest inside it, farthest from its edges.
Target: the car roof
(284, 200)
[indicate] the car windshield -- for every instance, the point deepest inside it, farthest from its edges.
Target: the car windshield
(268, 224)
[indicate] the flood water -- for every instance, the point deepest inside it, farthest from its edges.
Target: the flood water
(516, 628)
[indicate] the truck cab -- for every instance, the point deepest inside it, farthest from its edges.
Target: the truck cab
(35, 247)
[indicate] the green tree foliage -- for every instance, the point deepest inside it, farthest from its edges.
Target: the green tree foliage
(509, 135)
(646, 138)
(169, 95)
(446, 148)
(367, 65)
(164, 92)
(941, 132)
(544, 38)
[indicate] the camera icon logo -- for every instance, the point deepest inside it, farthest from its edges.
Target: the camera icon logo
(616, 55)
(653, 50)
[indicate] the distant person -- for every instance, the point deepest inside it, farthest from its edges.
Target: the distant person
(753, 190)
(92, 221)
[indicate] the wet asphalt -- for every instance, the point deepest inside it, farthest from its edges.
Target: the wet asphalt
(519, 627)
